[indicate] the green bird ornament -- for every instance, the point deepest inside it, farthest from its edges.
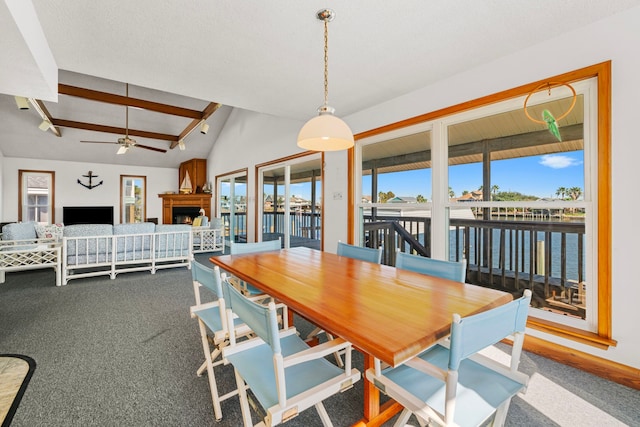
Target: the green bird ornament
(551, 124)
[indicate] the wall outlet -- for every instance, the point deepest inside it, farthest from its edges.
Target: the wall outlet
(337, 195)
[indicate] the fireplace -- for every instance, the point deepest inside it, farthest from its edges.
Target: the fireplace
(184, 214)
(184, 205)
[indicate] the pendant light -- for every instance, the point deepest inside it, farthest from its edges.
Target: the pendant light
(325, 132)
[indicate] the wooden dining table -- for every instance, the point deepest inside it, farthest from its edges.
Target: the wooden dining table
(386, 313)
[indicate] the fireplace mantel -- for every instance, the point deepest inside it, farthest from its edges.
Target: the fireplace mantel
(200, 200)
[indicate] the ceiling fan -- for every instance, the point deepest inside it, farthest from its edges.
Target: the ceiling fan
(126, 142)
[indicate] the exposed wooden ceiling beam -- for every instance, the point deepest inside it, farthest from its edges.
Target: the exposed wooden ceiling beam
(206, 113)
(44, 113)
(111, 98)
(113, 129)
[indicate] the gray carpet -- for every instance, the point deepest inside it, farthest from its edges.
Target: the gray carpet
(125, 351)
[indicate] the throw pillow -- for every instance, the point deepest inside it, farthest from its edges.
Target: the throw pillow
(52, 231)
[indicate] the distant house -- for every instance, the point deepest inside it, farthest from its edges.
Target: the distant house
(472, 196)
(403, 199)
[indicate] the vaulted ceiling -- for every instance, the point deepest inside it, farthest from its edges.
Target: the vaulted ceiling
(260, 56)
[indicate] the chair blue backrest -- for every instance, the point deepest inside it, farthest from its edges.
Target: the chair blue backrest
(360, 252)
(245, 248)
(262, 319)
(451, 270)
(207, 277)
(473, 333)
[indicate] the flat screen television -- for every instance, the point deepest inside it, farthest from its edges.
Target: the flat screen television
(87, 215)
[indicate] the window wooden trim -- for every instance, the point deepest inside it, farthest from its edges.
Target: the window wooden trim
(602, 72)
(53, 191)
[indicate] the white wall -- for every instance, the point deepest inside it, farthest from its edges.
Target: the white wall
(69, 193)
(250, 138)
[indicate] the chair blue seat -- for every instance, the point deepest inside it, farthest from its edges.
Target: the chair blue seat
(258, 371)
(480, 390)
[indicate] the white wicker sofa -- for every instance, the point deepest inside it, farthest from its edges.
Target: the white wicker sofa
(21, 249)
(98, 249)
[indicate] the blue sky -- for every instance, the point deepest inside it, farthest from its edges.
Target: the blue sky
(536, 175)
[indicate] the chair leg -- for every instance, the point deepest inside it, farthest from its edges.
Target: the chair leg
(403, 418)
(244, 402)
(217, 410)
(324, 416)
(203, 367)
(501, 414)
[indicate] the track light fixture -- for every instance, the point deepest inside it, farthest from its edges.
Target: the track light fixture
(181, 144)
(45, 125)
(204, 128)
(22, 102)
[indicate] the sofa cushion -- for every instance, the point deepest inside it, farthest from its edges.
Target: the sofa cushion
(134, 243)
(135, 228)
(83, 230)
(177, 244)
(49, 231)
(19, 231)
(89, 246)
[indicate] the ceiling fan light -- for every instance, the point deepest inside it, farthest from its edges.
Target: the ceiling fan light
(181, 145)
(123, 149)
(325, 132)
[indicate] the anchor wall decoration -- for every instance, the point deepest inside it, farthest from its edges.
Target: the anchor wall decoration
(90, 176)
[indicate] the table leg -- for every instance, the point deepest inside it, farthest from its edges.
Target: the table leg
(375, 415)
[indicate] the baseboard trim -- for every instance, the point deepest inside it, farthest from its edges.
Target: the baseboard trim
(598, 366)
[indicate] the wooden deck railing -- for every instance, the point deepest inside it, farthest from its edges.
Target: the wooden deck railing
(547, 257)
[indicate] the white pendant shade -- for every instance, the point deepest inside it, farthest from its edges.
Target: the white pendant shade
(325, 132)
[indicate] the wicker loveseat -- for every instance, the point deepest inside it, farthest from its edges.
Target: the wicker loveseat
(22, 249)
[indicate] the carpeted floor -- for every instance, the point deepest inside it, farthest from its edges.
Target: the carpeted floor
(125, 352)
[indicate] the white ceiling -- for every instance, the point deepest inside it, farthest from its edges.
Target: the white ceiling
(256, 55)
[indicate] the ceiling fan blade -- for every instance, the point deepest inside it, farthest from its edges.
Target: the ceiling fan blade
(100, 142)
(148, 147)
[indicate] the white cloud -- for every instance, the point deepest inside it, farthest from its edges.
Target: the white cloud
(558, 162)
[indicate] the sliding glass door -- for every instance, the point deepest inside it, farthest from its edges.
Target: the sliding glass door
(231, 205)
(291, 202)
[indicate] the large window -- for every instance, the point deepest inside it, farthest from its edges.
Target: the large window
(37, 197)
(525, 206)
(133, 199)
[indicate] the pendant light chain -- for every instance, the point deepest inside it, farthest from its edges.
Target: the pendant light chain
(326, 62)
